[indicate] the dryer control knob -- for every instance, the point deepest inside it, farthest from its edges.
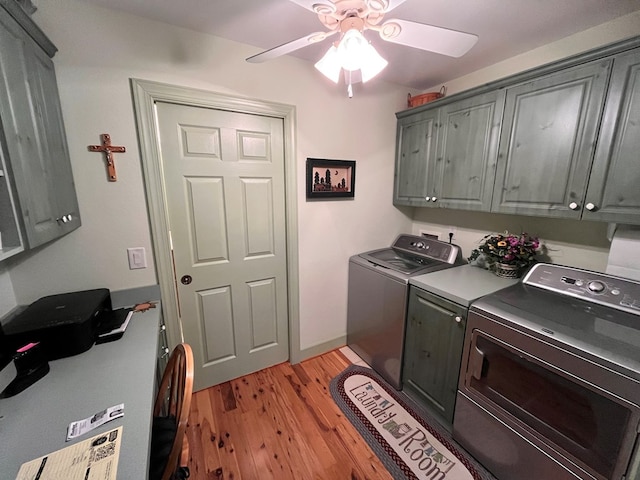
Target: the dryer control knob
(596, 287)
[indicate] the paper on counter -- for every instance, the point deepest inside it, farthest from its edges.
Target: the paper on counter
(92, 459)
(79, 428)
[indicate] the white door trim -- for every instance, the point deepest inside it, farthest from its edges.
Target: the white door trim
(145, 95)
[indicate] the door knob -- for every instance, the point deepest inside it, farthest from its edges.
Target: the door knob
(186, 279)
(574, 206)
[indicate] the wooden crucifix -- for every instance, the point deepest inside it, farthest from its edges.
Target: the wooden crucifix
(109, 150)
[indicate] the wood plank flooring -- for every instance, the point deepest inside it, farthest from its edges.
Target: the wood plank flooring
(279, 423)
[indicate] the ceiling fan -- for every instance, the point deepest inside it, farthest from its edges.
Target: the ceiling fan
(352, 52)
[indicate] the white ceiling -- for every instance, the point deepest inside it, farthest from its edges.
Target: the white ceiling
(505, 27)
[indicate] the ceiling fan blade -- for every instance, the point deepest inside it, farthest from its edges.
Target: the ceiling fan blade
(393, 4)
(325, 6)
(427, 37)
(289, 47)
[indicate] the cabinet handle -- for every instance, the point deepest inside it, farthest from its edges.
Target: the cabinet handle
(574, 206)
(458, 319)
(433, 199)
(590, 206)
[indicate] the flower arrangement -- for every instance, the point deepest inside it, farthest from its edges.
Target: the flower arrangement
(519, 250)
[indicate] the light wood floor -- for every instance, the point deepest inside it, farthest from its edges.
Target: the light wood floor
(279, 423)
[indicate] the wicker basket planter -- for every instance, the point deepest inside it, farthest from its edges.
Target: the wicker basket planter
(505, 270)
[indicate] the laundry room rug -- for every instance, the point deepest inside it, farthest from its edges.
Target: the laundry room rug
(409, 444)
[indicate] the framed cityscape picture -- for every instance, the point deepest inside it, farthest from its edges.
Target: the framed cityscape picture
(330, 178)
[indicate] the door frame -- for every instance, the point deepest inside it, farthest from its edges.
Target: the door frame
(145, 95)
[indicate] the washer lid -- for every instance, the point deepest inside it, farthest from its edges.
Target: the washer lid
(412, 254)
(400, 261)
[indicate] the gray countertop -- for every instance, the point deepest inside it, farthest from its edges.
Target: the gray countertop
(461, 285)
(34, 422)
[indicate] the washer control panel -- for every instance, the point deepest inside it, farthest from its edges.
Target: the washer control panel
(607, 290)
(427, 247)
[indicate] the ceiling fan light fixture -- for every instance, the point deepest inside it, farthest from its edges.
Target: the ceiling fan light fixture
(356, 53)
(353, 53)
(351, 49)
(372, 64)
(329, 65)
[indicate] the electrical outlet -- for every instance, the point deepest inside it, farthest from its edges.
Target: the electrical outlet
(137, 258)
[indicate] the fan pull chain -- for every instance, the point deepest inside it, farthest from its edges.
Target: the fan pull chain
(350, 87)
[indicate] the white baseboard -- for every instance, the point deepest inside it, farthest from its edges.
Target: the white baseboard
(321, 348)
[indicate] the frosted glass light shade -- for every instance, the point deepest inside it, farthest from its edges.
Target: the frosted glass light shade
(353, 53)
(329, 65)
(372, 63)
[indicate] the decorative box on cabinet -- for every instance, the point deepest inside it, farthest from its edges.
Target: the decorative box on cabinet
(37, 166)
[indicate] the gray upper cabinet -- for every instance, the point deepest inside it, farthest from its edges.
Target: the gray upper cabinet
(37, 159)
(561, 140)
(415, 160)
(468, 136)
(446, 156)
(549, 130)
(614, 187)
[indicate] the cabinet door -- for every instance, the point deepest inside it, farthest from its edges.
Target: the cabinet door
(24, 146)
(10, 233)
(547, 146)
(415, 156)
(433, 351)
(44, 89)
(614, 187)
(468, 137)
(38, 161)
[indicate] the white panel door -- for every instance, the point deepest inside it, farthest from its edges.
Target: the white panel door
(224, 185)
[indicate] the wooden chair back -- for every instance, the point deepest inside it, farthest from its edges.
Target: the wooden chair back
(174, 400)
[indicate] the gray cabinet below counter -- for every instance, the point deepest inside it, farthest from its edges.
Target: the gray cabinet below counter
(433, 351)
(436, 322)
(557, 141)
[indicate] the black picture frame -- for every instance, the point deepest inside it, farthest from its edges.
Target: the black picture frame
(321, 172)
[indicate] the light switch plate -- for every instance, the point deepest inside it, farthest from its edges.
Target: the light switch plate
(137, 258)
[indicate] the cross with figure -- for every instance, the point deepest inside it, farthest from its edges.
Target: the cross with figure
(108, 149)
